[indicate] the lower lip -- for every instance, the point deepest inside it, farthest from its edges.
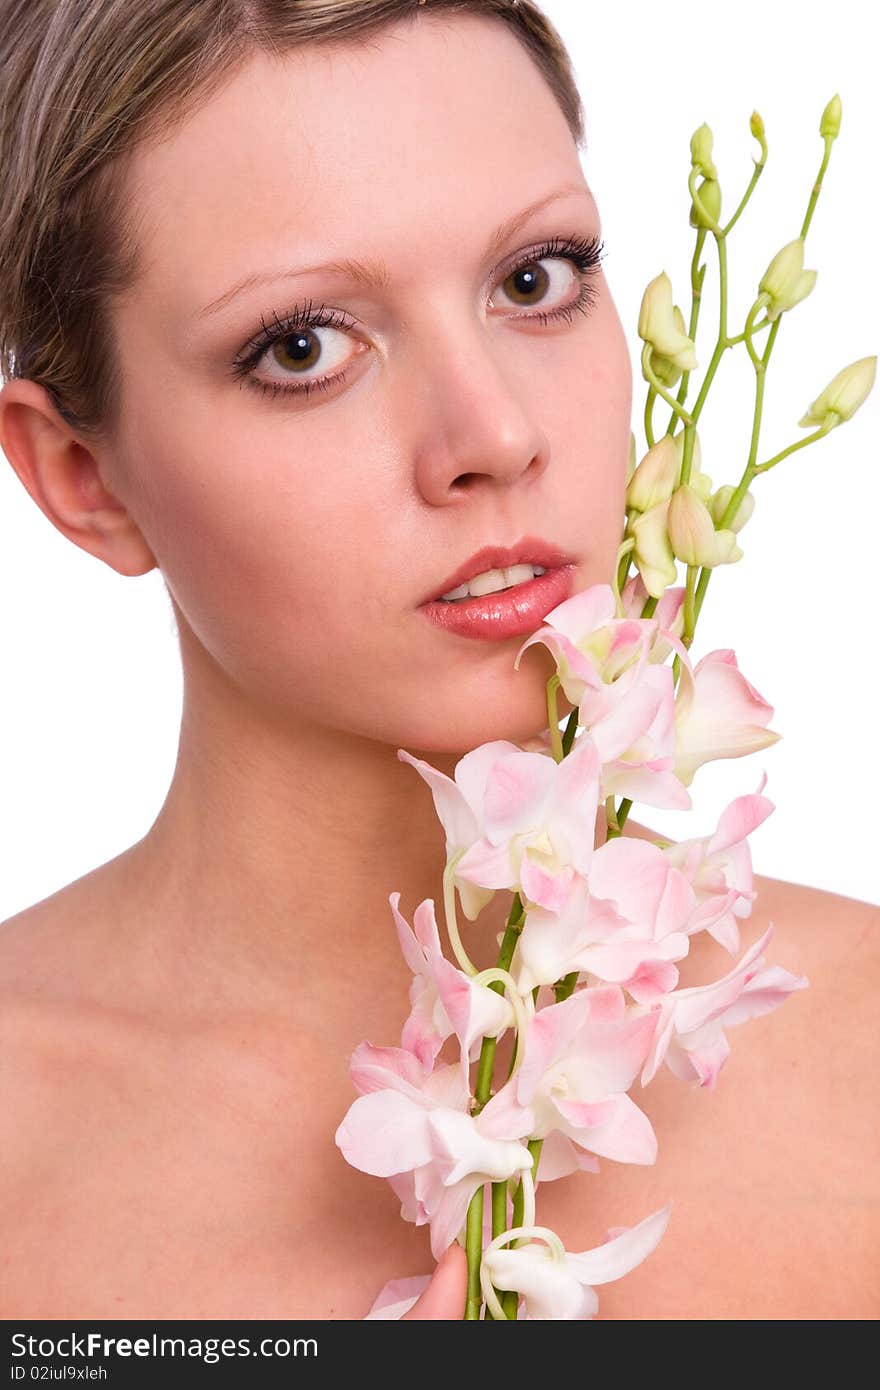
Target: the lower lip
(508, 613)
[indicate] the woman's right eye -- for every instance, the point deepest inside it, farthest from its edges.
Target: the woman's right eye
(293, 343)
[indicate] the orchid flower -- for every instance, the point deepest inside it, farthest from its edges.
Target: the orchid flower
(719, 868)
(415, 1125)
(690, 1035)
(718, 714)
(555, 1284)
(624, 925)
(532, 821)
(580, 1058)
(444, 1000)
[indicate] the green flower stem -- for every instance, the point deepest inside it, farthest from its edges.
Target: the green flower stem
(553, 685)
(499, 1225)
(485, 1067)
(515, 923)
(455, 941)
(760, 378)
(690, 620)
(658, 386)
(621, 815)
(650, 605)
(831, 420)
(755, 328)
(700, 205)
(623, 558)
(756, 174)
(817, 186)
(474, 1247)
(499, 1208)
(510, 1298)
(649, 416)
(698, 275)
(718, 353)
(570, 731)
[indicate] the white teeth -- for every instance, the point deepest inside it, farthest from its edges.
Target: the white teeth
(491, 581)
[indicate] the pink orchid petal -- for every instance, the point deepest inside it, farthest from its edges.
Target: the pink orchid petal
(542, 887)
(518, 795)
(627, 720)
(660, 787)
(560, 1157)
(450, 1214)
(719, 714)
(739, 819)
(457, 817)
(412, 952)
(764, 991)
(652, 980)
(487, 865)
(385, 1133)
(397, 1296)
(473, 773)
(622, 1254)
(379, 1068)
(460, 1149)
(627, 1135)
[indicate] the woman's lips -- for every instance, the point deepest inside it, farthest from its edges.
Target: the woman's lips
(512, 612)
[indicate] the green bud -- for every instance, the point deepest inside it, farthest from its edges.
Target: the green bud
(662, 325)
(756, 126)
(701, 152)
(653, 555)
(692, 533)
(655, 477)
(710, 196)
(829, 126)
(720, 501)
(785, 280)
(843, 394)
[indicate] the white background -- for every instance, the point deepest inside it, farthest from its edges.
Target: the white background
(91, 691)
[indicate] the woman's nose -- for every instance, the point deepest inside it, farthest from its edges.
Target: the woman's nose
(470, 423)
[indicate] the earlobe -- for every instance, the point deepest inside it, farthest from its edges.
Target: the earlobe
(63, 478)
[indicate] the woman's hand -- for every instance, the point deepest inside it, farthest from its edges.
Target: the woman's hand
(446, 1294)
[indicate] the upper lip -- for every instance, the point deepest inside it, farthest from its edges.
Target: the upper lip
(528, 549)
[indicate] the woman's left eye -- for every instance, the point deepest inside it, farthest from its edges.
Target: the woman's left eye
(292, 343)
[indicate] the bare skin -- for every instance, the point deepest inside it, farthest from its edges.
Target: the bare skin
(176, 1025)
(177, 1162)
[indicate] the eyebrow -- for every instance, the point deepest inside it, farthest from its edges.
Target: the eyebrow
(374, 274)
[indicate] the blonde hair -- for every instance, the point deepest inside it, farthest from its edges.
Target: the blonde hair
(81, 83)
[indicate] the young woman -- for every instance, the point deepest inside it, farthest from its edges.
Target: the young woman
(303, 306)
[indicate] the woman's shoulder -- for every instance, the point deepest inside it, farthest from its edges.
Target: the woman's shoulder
(773, 1174)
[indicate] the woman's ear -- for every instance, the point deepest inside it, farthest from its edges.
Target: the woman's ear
(63, 477)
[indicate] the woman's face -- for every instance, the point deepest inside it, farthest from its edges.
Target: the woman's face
(298, 534)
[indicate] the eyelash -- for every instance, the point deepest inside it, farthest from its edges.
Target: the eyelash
(585, 253)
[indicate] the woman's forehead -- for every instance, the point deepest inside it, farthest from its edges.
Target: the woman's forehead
(442, 127)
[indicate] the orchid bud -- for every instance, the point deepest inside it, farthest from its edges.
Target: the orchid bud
(655, 477)
(701, 152)
(756, 126)
(785, 280)
(662, 327)
(829, 126)
(720, 501)
(710, 196)
(699, 481)
(692, 533)
(844, 394)
(653, 555)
